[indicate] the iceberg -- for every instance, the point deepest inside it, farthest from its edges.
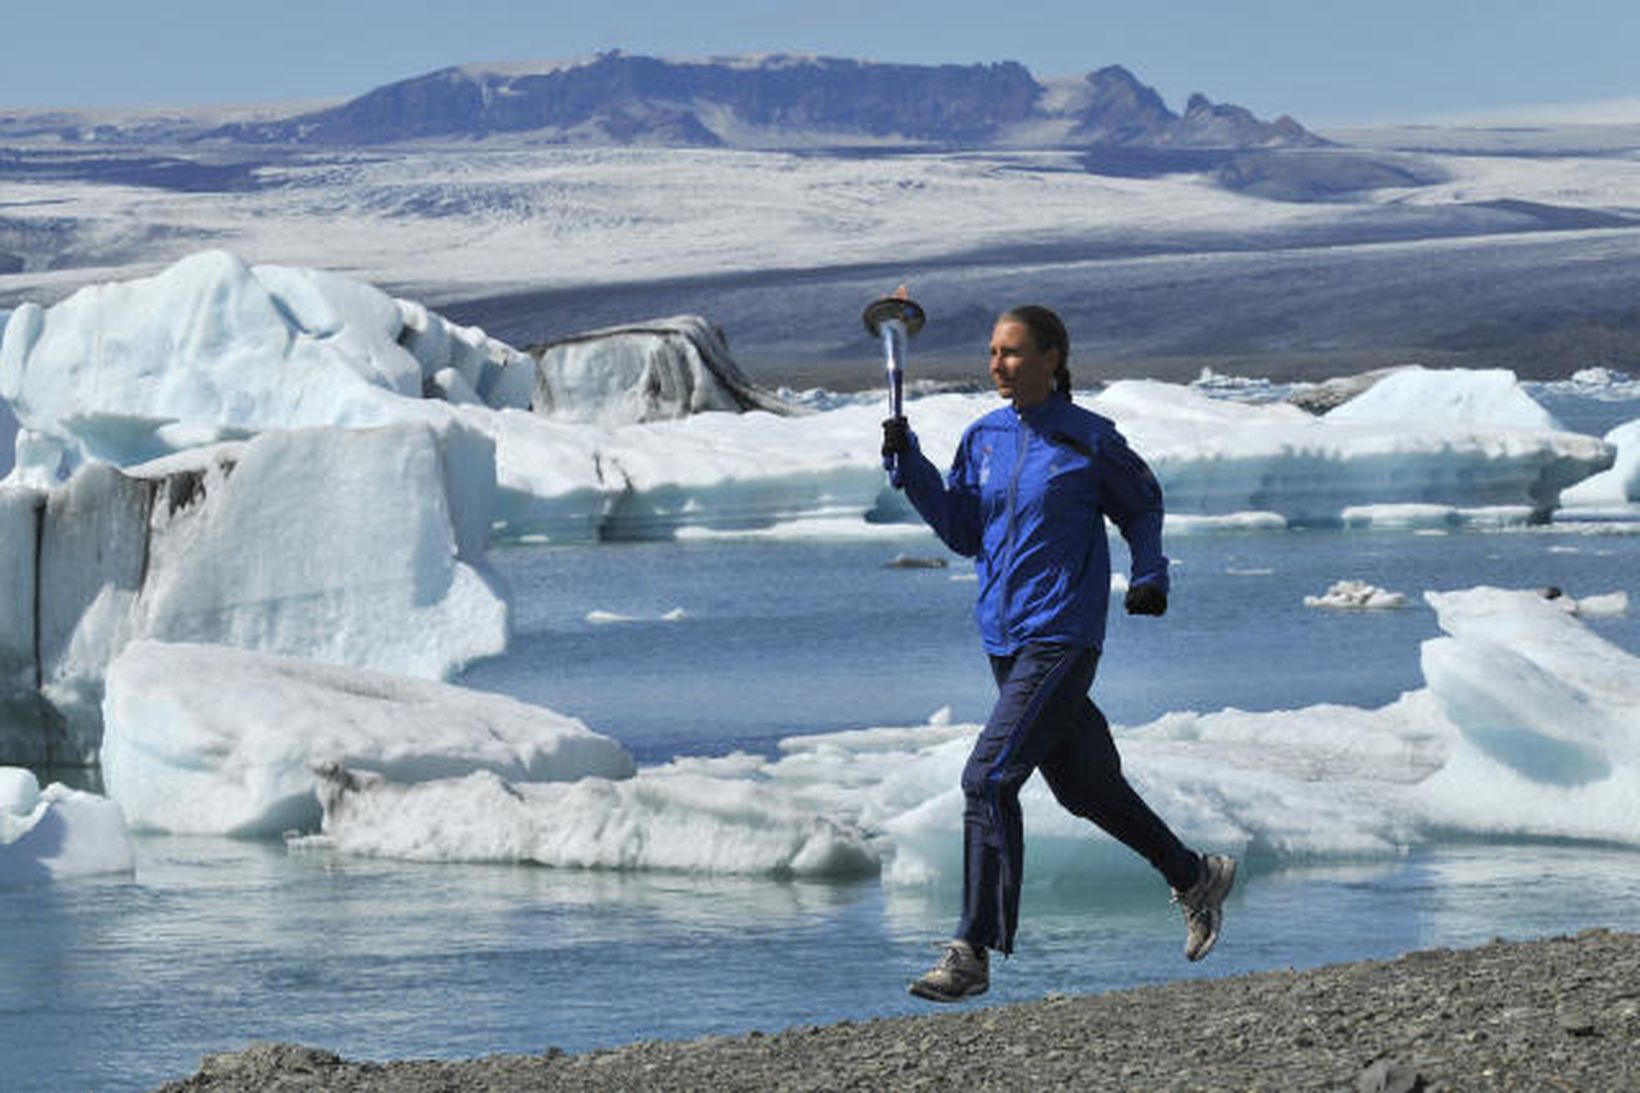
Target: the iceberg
(1548, 717)
(1216, 458)
(213, 349)
(357, 546)
(209, 740)
(1416, 395)
(204, 739)
(663, 369)
(1527, 726)
(57, 832)
(663, 819)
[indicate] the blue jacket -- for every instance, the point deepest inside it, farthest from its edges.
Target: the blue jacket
(1026, 498)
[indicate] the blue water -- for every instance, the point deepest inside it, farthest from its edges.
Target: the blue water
(123, 983)
(783, 638)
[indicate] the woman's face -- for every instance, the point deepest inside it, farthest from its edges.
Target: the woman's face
(1022, 372)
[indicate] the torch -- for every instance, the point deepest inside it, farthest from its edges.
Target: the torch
(895, 320)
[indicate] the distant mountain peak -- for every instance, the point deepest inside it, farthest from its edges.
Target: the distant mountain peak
(769, 100)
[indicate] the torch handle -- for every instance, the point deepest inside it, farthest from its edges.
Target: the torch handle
(895, 319)
(894, 358)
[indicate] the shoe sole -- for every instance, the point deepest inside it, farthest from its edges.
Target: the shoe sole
(932, 995)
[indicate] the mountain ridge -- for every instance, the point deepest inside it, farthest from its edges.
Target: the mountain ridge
(772, 100)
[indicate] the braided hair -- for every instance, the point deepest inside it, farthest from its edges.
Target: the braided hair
(1047, 332)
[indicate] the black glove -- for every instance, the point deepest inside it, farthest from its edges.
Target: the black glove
(1146, 599)
(896, 436)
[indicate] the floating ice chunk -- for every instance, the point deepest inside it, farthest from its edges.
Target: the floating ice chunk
(1599, 377)
(1539, 624)
(1324, 781)
(1549, 716)
(1195, 524)
(1410, 515)
(607, 618)
(661, 819)
(664, 368)
(1475, 396)
(1538, 694)
(1529, 740)
(1238, 388)
(1606, 384)
(57, 832)
(1216, 458)
(715, 473)
(205, 739)
(1606, 605)
(1621, 483)
(839, 522)
(1356, 596)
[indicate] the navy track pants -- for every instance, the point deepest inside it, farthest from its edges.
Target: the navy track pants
(1045, 720)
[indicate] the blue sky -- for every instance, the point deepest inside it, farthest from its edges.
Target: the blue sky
(1325, 62)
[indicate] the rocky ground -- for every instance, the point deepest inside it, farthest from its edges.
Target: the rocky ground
(1561, 1014)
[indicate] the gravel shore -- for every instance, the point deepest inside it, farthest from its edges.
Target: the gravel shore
(1560, 1014)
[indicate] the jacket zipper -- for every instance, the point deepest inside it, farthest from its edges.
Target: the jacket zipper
(1021, 446)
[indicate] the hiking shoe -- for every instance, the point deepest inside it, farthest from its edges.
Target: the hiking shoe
(961, 973)
(1201, 904)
